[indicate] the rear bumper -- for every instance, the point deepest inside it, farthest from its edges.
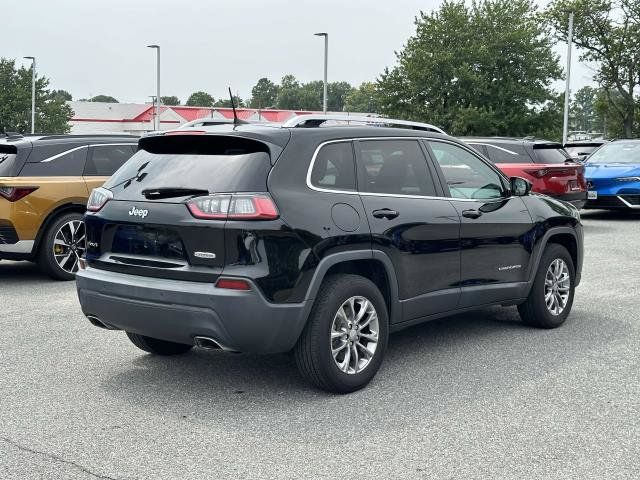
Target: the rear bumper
(578, 199)
(625, 201)
(178, 311)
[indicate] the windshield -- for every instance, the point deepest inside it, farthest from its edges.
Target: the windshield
(617, 152)
(580, 150)
(147, 171)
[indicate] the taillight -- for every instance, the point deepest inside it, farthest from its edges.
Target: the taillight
(98, 199)
(233, 284)
(234, 207)
(13, 194)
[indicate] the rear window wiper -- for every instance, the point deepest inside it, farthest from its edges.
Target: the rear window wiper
(170, 192)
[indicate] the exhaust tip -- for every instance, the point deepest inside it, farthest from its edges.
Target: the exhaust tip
(209, 343)
(206, 343)
(96, 322)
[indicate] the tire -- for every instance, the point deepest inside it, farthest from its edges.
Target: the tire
(313, 351)
(74, 247)
(534, 311)
(157, 346)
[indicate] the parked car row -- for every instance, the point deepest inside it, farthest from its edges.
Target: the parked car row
(45, 182)
(306, 237)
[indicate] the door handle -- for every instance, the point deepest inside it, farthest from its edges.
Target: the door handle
(385, 213)
(471, 213)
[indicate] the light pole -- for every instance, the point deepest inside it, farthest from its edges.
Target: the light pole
(157, 47)
(567, 93)
(33, 93)
(326, 60)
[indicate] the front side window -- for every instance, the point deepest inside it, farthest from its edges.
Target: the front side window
(106, 159)
(466, 175)
(334, 168)
(395, 167)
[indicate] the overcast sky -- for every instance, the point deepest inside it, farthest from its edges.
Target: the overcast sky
(98, 47)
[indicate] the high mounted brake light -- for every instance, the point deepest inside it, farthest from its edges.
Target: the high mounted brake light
(13, 194)
(185, 132)
(250, 206)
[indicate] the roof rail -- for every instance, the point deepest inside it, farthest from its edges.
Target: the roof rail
(316, 120)
(63, 136)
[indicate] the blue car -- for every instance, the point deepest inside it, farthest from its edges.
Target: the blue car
(613, 176)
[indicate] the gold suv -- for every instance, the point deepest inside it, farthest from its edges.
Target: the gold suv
(44, 185)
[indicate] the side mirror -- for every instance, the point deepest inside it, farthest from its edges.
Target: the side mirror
(519, 186)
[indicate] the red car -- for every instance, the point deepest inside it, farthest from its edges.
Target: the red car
(545, 164)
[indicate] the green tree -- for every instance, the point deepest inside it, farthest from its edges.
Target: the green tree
(608, 32)
(170, 100)
(103, 98)
(583, 112)
(484, 68)
(63, 94)
(226, 103)
(52, 113)
(200, 99)
(289, 93)
(337, 93)
(264, 94)
(363, 99)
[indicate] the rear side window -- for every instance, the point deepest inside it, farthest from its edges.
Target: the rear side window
(65, 164)
(104, 160)
(394, 167)
(215, 163)
(550, 155)
(334, 167)
(7, 160)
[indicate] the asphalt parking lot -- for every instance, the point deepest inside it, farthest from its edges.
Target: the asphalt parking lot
(473, 396)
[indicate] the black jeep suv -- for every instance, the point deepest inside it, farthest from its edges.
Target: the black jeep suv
(321, 240)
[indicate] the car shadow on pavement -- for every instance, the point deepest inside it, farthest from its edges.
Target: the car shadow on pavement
(611, 215)
(20, 271)
(483, 349)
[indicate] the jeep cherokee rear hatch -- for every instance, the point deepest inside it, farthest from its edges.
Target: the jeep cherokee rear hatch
(164, 212)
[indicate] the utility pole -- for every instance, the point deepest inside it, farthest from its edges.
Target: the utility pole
(33, 93)
(567, 92)
(157, 47)
(326, 64)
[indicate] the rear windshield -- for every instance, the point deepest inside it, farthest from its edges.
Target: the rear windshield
(218, 166)
(617, 152)
(550, 154)
(7, 161)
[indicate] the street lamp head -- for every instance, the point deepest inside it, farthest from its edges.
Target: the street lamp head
(321, 34)
(29, 58)
(153, 46)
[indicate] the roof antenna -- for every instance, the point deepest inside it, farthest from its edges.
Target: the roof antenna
(236, 120)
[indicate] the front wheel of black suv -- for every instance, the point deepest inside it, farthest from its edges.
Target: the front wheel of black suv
(157, 346)
(551, 296)
(344, 341)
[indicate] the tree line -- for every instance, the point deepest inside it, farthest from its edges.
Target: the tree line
(485, 67)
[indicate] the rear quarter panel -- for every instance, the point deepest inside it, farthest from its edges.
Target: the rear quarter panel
(28, 214)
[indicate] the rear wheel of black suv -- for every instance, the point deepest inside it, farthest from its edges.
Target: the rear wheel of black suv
(344, 341)
(157, 346)
(551, 296)
(62, 246)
